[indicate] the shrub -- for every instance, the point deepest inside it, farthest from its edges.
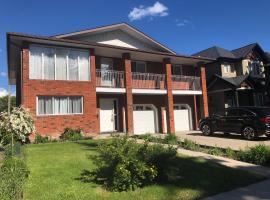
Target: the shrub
(19, 122)
(149, 138)
(216, 151)
(13, 175)
(40, 139)
(259, 155)
(72, 134)
(123, 164)
(230, 153)
(190, 145)
(16, 150)
(170, 139)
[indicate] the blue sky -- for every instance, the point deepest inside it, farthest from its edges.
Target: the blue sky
(186, 26)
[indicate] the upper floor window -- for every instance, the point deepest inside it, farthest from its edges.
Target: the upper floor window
(228, 68)
(256, 67)
(138, 66)
(58, 64)
(177, 69)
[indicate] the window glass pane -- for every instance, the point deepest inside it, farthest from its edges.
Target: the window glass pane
(176, 69)
(75, 105)
(84, 66)
(60, 105)
(140, 67)
(73, 65)
(45, 106)
(61, 64)
(48, 56)
(35, 63)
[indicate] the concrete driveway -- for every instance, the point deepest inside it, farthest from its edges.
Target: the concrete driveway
(233, 141)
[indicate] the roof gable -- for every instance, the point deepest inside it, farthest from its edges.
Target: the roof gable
(121, 34)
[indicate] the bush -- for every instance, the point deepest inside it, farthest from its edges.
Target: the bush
(259, 155)
(72, 134)
(216, 151)
(123, 164)
(40, 139)
(13, 175)
(190, 145)
(149, 138)
(170, 139)
(19, 122)
(16, 150)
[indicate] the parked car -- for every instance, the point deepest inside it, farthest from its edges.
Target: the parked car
(251, 122)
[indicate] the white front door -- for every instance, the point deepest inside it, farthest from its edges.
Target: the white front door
(107, 115)
(144, 119)
(181, 118)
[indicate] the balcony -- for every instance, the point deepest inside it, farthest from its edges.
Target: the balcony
(148, 81)
(180, 82)
(111, 79)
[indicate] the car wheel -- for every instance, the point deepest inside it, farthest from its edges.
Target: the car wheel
(206, 129)
(249, 133)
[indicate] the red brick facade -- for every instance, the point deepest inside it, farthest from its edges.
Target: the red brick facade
(89, 121)
(54, 125)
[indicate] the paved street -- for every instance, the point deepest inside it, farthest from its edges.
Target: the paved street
(235, 142)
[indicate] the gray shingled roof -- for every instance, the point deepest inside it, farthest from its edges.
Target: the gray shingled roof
(268, 56)
(243, 51)
(236, 81)
(215, 52)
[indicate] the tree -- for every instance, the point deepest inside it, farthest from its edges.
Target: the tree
(4, 103)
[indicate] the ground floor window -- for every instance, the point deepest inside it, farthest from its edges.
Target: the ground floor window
(59, 105)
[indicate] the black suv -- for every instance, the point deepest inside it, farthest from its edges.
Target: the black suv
(248, 121)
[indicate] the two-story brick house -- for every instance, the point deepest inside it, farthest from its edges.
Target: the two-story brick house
(237, 77)
(106, 79)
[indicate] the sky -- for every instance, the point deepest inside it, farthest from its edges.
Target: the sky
(185, 26)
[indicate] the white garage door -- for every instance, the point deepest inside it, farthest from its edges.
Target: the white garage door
(144, 119)
(181, 118)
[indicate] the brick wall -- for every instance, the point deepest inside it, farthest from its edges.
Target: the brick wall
(54, 125)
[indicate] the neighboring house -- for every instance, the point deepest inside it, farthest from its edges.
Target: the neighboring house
(107, 79)
(236, 78)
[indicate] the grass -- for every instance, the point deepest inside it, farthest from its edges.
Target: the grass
(56, 167)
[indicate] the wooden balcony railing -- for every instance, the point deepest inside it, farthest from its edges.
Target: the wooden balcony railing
(148, 81)
(114, 79)
(180, 82)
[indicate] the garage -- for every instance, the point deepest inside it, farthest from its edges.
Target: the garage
(144, 118)
(182, 117)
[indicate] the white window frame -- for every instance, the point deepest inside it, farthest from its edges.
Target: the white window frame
(67, 69)
(37, 111)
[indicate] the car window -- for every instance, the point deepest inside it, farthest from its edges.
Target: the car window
(245, 113)
(232, 112)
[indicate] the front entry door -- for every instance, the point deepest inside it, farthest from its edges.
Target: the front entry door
(106, 76)
(108, 115)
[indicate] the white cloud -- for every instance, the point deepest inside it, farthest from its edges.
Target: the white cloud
(3, 92)
(4, 74)
(157, 10)
(182, 23)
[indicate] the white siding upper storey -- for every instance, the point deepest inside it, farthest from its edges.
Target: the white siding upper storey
(121, 35)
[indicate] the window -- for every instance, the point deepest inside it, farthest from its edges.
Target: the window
(59, 105)
(256, 67)
(58, 64)
(177, 69)
(138, 66)
(228, 68)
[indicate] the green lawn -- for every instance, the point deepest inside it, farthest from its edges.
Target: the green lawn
(56, 167)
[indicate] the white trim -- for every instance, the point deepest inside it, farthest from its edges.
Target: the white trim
(189, 114)
(155, 113)
(187, 92)
(148, 91)
(110, 90)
